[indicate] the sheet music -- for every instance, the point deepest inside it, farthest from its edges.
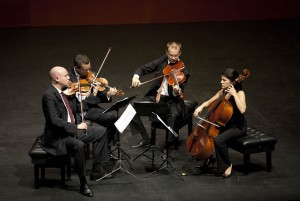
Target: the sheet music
(125, 118)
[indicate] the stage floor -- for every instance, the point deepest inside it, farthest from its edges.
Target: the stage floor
(269, 49)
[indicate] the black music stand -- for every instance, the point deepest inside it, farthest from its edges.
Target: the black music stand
(119, 104)
(115, 107)
(166, 157)
(146, 108)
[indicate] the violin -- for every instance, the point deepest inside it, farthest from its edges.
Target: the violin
(175, 75)
(100, 83)
(86, 84)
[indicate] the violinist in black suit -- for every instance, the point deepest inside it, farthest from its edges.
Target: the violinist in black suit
(64, 134)
(93, 110)
(160, 91)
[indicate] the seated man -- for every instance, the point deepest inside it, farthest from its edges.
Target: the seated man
(63, 135)
(93, 110)
(162, 92)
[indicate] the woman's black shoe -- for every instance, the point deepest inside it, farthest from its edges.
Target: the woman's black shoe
(207, 162)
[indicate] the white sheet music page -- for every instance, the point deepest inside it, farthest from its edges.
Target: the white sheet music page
(125, 118)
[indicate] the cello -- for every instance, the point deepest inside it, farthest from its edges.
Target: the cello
(200, 143)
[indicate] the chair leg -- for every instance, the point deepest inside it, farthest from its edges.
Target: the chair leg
(269, 161)
(69, 167)
(42, 172)
(36, 176)
(63, 175)
(246, 163)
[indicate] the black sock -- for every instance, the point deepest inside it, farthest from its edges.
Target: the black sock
(83, 181)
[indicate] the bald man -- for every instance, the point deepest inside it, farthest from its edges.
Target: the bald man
(63, 133)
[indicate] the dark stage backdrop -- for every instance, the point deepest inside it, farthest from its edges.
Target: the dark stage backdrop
(33, 13)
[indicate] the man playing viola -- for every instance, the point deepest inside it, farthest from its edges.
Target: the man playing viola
(161, 91)
(93, 112)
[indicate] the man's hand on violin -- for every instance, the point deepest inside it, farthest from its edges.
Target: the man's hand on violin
(135, 81)
(112, 91)
(95, 89)
(82, 126)
(176, 89)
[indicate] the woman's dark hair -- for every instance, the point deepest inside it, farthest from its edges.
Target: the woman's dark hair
(81, 59)
(232, 74)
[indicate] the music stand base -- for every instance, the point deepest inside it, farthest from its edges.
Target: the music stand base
(167, 166)
(152, 148)
(126, 156)
(119, 166)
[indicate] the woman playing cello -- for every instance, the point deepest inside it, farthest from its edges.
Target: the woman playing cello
(236, 126)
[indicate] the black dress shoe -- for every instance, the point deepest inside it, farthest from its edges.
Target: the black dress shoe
(207, 162)
(86, 191)
(142, 143)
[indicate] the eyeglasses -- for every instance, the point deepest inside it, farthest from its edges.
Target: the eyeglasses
(173, 55)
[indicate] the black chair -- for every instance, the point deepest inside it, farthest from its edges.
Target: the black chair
(41, 160)
(254, 142)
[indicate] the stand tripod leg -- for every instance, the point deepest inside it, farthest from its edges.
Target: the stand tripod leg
(153, 148)
(188, 162)
(119, 166)
(142, 154)
(167, 166)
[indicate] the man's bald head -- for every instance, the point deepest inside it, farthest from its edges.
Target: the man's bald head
(56, 71)
(59, 76)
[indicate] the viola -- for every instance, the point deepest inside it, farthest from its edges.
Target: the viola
(175, 75)
(88, 82)
(200, 143)
(100, 83)
(85, 87)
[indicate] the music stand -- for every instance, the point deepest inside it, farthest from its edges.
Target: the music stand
(145, 108)
(166, 152)
(151, 109)
(116, 106)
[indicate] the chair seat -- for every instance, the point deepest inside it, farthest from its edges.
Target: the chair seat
(253, 142)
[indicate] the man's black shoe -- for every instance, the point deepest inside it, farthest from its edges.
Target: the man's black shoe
(142, 143)
(86, 191)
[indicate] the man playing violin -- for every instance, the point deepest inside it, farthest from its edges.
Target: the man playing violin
(161, 91)
(64, 133)
(93, 112)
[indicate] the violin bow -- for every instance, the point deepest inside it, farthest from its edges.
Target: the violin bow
(157, 77)
(101, 66)
(80, 94)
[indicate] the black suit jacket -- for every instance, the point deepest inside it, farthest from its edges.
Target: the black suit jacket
(57, 126)
(157, 66)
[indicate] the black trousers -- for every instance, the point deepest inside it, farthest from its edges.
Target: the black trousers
(221, 148)
(107, 120)
(137, 126)
(76, 146)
